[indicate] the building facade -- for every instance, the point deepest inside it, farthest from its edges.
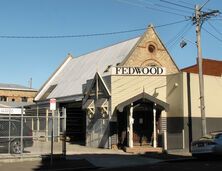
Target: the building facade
(130, 94)
(13, 95)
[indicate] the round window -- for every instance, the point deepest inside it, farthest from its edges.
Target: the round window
(151, 48)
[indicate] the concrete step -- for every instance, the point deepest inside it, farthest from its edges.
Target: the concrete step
(143, 149)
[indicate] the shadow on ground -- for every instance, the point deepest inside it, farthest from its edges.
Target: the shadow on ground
(59, 162)
(104, 161)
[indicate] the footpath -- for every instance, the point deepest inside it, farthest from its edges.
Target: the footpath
(84, 158)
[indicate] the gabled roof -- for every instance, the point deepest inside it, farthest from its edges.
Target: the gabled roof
(69, 78)
(141, 38)
(4, 86)
(143, 95)
(210, 67)
(72, 74)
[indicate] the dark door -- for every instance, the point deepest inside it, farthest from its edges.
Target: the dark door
(142, 127)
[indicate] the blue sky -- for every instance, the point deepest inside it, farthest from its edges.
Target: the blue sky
(38, 58)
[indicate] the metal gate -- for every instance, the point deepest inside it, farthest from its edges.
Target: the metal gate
(37, 131)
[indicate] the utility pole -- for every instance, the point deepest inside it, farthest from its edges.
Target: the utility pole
(200, 68)
(198, 20)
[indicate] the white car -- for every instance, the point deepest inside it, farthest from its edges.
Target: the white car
(208, 144)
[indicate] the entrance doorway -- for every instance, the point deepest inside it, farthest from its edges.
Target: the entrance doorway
(136, 120)
(143, 124)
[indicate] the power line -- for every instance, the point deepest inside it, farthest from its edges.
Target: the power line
(87, 35)
(176, 9)
(156, 9)
(176, 22)
(177, 35)
(204, 4)
(180, 35)
(179, 5)
(163, 6)
(214, 28)
(151, 8)
(187, 3)
(212, 34)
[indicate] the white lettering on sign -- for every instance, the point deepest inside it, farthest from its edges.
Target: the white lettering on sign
(52, 104)
(138, 71)
(10, 111)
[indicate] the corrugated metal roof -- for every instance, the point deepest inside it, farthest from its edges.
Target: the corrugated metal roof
(69, 81)
(14, 87)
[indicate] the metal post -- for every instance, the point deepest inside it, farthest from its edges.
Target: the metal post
(47, 125)
(9, 133)
(52, 137)
(58, 125)
(154, 129)
(37, 118)
(21, 140)
(201, 82)
(64, 131)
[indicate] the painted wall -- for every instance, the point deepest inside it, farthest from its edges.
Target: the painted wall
(126, 87)
(17, 94)
(212, 93)
(184, 113)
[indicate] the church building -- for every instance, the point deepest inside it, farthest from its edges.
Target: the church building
(132, 94)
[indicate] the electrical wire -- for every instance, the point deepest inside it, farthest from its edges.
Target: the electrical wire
(156, 9)
(87, 35)
(163, 6)
(179, 5)
(176, 9)
(204, 4)
(214, 28)
(212, 34)
(180, 35)
(151, 8)
(187, 3)
(177, 35)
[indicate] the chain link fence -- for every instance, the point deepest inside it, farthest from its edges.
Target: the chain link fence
(39, 131)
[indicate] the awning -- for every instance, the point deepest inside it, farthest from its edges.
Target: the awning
(159, 103)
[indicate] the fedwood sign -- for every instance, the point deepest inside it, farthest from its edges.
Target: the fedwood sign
(138, 71)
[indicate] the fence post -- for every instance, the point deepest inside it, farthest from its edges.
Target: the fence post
(9, 133)
(37, 119)
(64, 132)
(58, 125)
(47, 125)
(21, 140)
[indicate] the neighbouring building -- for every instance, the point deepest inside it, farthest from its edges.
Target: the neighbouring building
(132, 94)
(13, 95)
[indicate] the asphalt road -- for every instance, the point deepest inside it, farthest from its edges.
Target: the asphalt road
(194, 165)
(67, 165)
